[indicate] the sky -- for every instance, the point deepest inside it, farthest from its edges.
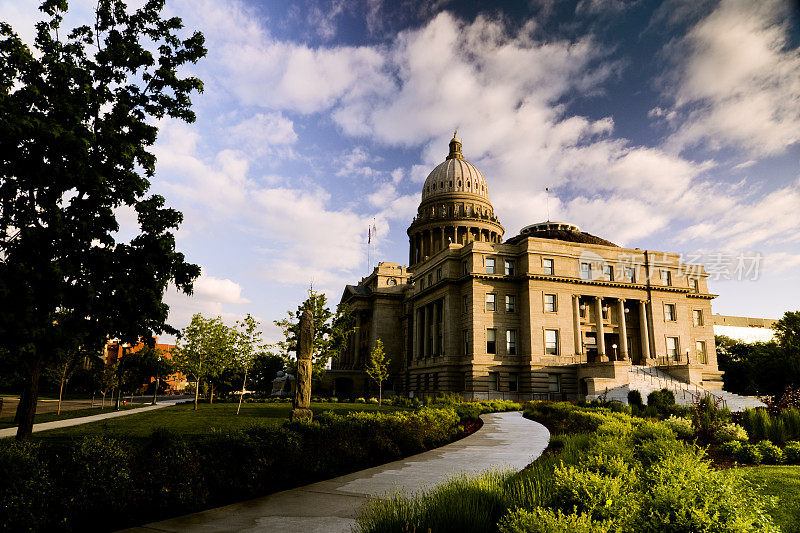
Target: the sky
(671, 126)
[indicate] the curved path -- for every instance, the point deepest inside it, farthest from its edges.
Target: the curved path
(505, 440)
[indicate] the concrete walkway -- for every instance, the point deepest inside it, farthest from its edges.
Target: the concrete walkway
(505, 440)
(44, 426)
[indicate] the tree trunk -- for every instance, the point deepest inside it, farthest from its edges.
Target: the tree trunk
(212, 394)
(196, 392)
(27, 401)
(103, 404)
(241, 396)
(61, 389)
(380, 394)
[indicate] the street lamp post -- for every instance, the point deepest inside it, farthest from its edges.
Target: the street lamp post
(155, 391)
(614, 346)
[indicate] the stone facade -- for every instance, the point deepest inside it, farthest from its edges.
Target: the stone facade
(552, 312)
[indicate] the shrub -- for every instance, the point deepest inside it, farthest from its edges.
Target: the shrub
(730, 432)
(757, 423)
(791, 452)
(373, 401)
(731, 448)
(771, 454)
(749, 454)
(26, 485)
(635, 398)
(682, 427)
(661, 399)
(540, 520)
(791, 421)
(360, 400)
(600, 496)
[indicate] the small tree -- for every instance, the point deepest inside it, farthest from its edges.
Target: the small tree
(204, 350)
(378, 367)
(248, 345)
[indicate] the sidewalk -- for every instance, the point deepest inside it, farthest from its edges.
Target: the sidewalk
(10, 432)
(505, 440)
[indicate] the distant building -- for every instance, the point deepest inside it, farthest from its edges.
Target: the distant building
(552, 312)
(115, 350)
(745, 329)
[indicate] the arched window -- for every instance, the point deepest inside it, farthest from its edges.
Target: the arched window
(392, 282)
(459, 183)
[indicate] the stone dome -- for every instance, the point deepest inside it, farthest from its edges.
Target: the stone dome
(455, 175)
(561, 231)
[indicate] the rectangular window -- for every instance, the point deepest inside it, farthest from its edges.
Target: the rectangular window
(630, 275)
(669, 312)
(494, 381)
(509, 267)
(551, 341)
(608, 272)
(547, 266)
(672, 347)
(695, 285)
(465, 267)
(491, 341)
(586, 271)
(465, 337)
(697, 317)
(489, 263)
(666, 278)
(513, 382)
(700, 347)
(511, 342)
(438, 274)
(550, 303)
(591, 339)
(490, 302)
(511, 303)
(430, 280)
(466, 303)
(553, 382)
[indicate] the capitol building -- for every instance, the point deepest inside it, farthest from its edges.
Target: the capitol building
(554, 312)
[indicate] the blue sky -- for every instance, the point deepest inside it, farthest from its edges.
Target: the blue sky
(671, 126)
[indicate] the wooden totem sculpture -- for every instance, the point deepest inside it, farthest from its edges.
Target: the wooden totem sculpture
(302, 394)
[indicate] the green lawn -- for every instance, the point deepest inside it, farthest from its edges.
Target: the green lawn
(8, 421)
(207, 419)
(783, 484)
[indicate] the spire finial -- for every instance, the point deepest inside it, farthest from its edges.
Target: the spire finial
(455, 147)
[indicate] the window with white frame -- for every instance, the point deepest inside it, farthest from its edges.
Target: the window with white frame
(608, 272)
(695, 285)
(697, 317)
(547, 266)
(702, 355)
(491, 341)
(630, 275)
(586, 271)
(511, 342)
(509, 265)
(511, 303)
(551, 341)
(666, 278)
(489, 264)
(672, 348)
(490, 302)
(669, 312)
(550, 305)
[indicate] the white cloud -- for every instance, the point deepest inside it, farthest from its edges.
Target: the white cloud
(213, 289)
(263, 131)
(736, 79)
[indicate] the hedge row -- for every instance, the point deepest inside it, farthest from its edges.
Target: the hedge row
(103, 483)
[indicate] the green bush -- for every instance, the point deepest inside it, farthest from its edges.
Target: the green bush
(682, 427)
(730, 432)
(791, 452)
(373, 401)
(749, 454)
(791, 421)
(731, 448)
(26, 485)
(635, 398)
(771, 454)
(757, 423)
(542, 520)
(661, 399)
(361, 400)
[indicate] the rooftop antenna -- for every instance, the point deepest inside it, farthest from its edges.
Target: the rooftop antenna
(547, 202)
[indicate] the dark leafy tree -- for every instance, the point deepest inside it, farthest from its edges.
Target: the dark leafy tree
(331, 331)
(77, 119)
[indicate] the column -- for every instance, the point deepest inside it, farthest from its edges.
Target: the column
(444, 239)
(435, 330)
(443, 343)
(411, 250)
(623, 331)
(426, 334)
(601, 342)
(643, 330)
(576, 323)
(357, 340)
(415, 345)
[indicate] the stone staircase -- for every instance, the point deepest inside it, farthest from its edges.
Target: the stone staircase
(647, 379)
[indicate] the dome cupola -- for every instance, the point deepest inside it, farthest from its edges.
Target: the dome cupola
(455, 208)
